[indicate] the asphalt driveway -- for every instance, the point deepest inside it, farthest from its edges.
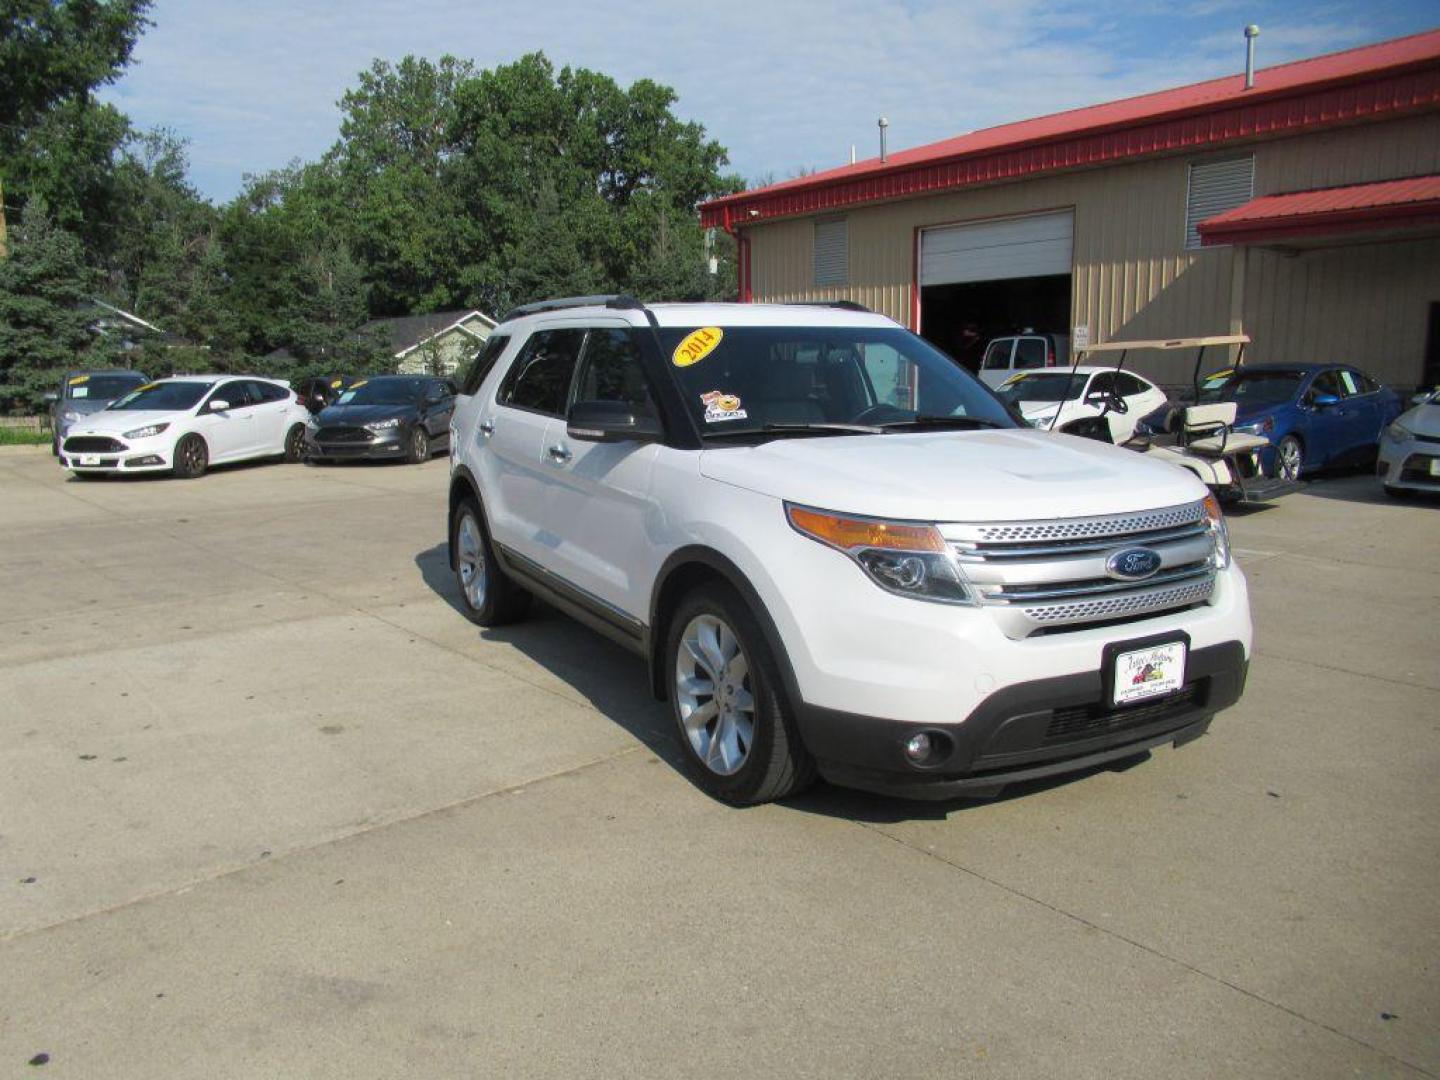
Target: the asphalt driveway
(270, 806)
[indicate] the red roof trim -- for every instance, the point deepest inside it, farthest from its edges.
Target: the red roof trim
(1296, 107)
(1387, 204)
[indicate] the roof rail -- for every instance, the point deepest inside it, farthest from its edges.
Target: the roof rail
(613, 300)
(843, 305)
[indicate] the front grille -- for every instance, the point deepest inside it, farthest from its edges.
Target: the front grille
(1046, 576)
(92, 444)
(1087, 721)
(343, 435)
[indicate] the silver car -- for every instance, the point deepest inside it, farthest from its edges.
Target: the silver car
(84, 392)
(1410, 450)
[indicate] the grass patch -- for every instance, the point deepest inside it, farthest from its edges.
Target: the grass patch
(10, 436)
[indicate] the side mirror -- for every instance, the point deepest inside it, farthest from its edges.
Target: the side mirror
(611, 421)
(1324, 401)
(50, 398)
(219, 404)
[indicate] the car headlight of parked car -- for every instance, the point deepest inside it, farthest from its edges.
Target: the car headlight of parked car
(1219, 533)
(383, 425)
(1259, 427)
(1398, 432)
(69, 416)
(901, 557)
(146, 432)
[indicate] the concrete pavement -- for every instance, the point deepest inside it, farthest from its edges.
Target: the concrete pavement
(288, 814)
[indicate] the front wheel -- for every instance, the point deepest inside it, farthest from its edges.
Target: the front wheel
(732, 720)
(191, 458)
(1289, 458)
(418, 447)
(489, 597)
(294, 443)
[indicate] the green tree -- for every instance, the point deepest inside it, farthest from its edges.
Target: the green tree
(44, 310)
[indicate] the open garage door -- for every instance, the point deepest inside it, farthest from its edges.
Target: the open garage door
(992, 278)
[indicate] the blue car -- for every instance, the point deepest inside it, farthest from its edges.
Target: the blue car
(1315, 415)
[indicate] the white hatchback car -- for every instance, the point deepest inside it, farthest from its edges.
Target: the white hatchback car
(1410, 450)
(838, 552)
(185, 424)
(1056, 397)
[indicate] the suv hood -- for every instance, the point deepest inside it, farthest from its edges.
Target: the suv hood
(954, 476)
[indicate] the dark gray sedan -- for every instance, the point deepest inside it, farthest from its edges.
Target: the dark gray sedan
(389, 416)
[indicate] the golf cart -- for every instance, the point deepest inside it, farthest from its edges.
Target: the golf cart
(1197, 437)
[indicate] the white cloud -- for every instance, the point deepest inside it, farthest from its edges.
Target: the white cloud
(785, 83)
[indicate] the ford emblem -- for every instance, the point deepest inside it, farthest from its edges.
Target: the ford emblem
(1133, 564)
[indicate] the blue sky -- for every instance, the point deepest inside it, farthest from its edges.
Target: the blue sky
(784, 84)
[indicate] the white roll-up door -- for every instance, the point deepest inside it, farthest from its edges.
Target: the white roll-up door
(1034, 246)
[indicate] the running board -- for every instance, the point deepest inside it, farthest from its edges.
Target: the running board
(1265, 488)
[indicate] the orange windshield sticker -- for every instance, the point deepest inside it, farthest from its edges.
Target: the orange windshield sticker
(697, 346)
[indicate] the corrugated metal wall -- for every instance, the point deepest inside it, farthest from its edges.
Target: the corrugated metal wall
(1133, 277)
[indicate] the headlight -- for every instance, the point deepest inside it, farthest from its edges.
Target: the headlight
(1398, 432)
(901, 557)
(70, 416)
(1260, 427)
(146, 432)
(1219, 533)
(383, 425)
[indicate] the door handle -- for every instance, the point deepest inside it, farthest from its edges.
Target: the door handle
(487, 428)
(559, 453)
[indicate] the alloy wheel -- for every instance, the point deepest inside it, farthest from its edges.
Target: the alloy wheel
(471, 559)
(714, 694)
(1289, 455)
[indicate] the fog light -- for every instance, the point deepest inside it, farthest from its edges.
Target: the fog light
(917, 747)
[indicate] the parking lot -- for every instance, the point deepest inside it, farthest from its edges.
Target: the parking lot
(270, 806)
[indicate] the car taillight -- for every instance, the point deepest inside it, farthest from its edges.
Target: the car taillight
(1050, 358)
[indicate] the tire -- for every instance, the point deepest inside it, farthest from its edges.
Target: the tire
(742, 744)
(1289, 458)
(417, 450)
(487, 595)
(55, 447)
(191, 458)
(294, 443)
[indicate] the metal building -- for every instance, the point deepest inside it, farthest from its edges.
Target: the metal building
(1303, 210)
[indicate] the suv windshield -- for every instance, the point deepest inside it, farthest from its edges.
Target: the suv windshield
(101, 387)
(1269, 387)
(1047, 386)
(752, 379)
(163, 397)
(390, 390)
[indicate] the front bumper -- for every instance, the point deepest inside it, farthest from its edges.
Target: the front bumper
(1409, 465)
(107, 454)
(1024, 732)
(389, 443)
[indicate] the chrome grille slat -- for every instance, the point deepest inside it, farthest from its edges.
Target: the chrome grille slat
(1037, 576)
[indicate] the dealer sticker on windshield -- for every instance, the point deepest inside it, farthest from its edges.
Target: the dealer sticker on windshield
(720, 407)
(696, 346)
(1148, 673)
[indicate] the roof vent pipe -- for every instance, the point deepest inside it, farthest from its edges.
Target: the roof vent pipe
(1251, 33)
(883, 125)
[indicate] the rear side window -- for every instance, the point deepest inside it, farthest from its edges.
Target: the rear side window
(1129, 385)
(997, 355)
(1030, 352)
(269, 391)
(482, 363)
(539, 379)
(612, 370)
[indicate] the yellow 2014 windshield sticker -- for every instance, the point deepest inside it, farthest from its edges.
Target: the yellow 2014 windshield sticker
(697, 346)
(78, 379)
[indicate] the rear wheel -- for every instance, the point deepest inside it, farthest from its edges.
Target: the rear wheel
(418, 448)
(732, 720)
(489, 597)
(191, 458)
(294, 443)
(1289, 458)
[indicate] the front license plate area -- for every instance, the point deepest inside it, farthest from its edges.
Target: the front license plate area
(89, 459)
(1148, 672)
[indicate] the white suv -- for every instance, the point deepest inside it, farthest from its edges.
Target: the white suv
(837, 550)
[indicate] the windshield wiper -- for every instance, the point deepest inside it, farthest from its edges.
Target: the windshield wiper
(924, 420)
(801, 429)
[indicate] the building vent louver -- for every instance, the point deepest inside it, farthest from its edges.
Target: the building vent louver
(832, 251)
(1215, 187)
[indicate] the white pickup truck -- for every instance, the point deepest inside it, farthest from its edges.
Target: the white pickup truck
(838, 552)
